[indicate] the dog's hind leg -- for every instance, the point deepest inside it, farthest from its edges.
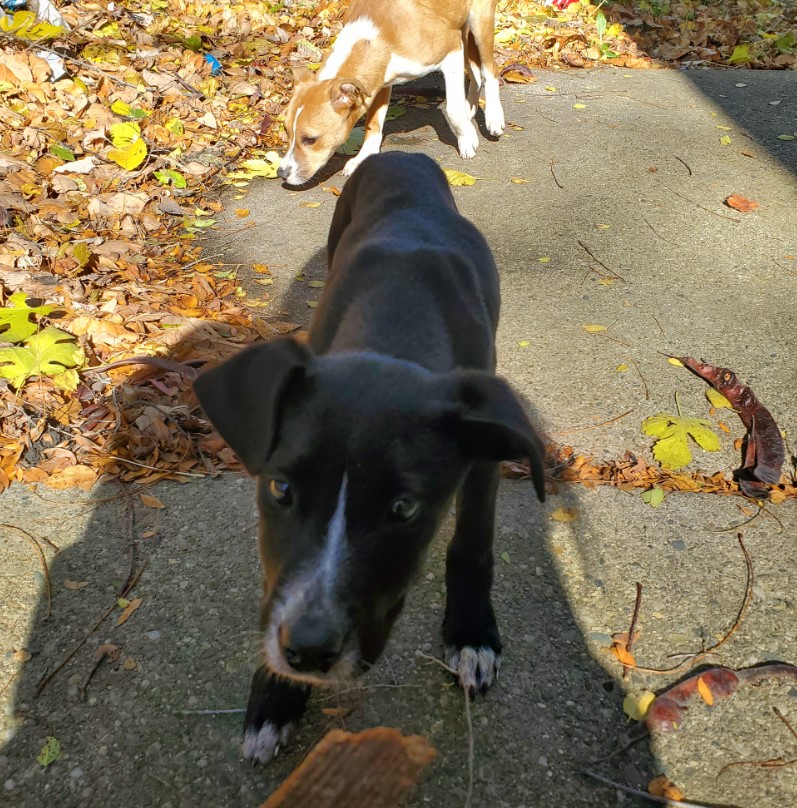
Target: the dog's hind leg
(473, 645)
(275, 707)
(374, 122)
(473, 66)
(482, 24)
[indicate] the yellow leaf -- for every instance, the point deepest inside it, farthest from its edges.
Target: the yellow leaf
(622, 368)
(310, 205)
(261, 268)
(552, 89)
(519, 181)
(125, 134)
(592, 328)
(458, 178)
(544, 259)
(565, 514)
(705, 691)
(175, 126)
(673, 361)
(242, 213)
(151, 502)
(579, 106)
(130, 157)
(637, 705)
(523, 343)
(717, 399)
(672, 447)
(725, 140)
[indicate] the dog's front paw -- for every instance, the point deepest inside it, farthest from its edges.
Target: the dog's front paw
(477, 668)
(263, 745)
(468, 142)
(275, 707)
(494, 120)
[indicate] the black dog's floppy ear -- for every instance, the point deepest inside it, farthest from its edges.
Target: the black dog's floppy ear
(492, 425)
(242, 396)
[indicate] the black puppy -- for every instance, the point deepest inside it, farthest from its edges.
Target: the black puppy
(361, 439)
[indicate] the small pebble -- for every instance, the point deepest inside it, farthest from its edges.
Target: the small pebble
(542, 760)
(152, 635)
(9, 785)
(76, 773)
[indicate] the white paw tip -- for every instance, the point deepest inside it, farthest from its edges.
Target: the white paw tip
(477, 667)
(263, 745)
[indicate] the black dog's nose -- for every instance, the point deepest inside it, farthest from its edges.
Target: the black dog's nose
(310, 646)
(282, 172)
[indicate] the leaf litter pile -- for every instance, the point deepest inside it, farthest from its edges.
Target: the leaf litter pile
(120, 124)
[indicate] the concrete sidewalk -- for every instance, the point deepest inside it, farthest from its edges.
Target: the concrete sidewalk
(627, 166)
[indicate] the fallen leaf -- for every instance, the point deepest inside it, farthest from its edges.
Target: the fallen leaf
(75, 584)
(705, 691)
(16, 324)
(336, 712)
(740, 203)
(674, 361)
(458, 178)
(661, 787)
(355, 140)
(523, 343)
(787, 137)
(519, 181)
(22, 655)
(579, 106)
(725, 140)
(637, 705)
(717, 399)
(129, 664)
(653, 496)
(564, 514)
(623, 655)
(672, 447)
(592, 328)
(51, 352)
(128, 611)
(544, 259)
(505, 557)
(622, 368)
(309, 204)
(50, 752)
(151, 502)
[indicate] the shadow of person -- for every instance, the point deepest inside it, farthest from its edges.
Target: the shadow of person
(133, 698)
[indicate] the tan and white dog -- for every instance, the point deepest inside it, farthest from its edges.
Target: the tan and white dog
(386, 42)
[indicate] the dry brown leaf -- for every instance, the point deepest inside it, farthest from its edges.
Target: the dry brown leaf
(661, 787)
(740, 203)
(128, 611)
(75, 585)
(564, 514)
(151, 502)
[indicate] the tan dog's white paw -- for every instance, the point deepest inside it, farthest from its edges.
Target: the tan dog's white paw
(468, 143)
(494, 120)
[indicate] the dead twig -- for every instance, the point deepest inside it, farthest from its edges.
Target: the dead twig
(555, 179)
(632, 629)
(132, 544)
(699, 657)
(595, 426)
(468, 719)
(595, 258)
(107, 651)
(641, 378)
(785, 720)
(657, 234)
(50, 675)
(702, 207)
(37, 547)
(683, 163)
(651, 797)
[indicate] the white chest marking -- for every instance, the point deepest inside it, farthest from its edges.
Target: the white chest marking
(362, 29)
(400, 69)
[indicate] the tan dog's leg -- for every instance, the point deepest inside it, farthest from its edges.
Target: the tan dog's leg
(473, 65)
(456, 108)
(482, 23)
(374, 121)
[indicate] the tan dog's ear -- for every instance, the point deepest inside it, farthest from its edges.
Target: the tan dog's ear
(301, 75)
(345, 95)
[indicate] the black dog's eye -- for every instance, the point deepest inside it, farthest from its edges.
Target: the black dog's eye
(281, 492)
(309, 141)
(403, 509)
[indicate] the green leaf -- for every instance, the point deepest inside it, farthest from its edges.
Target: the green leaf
(394, 111)
(653, 496)
(168, 175)
(193, 42)
(51, 751)
(787, 137)
(718, 401)
(505, 556)
(740, 55)
(17, 318)
(121, 108)
(352, 145)
(671, 449)
(63, 152)
(600, 24)
(81, 254)
(51, 352)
